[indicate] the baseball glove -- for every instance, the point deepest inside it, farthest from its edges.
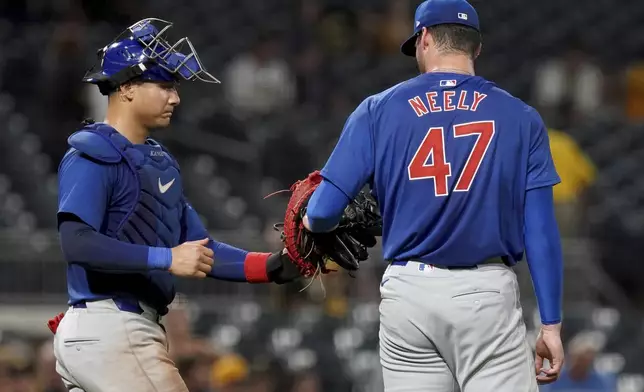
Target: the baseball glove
(346, 246)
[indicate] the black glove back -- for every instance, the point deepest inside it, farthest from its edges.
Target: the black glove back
(347, 244)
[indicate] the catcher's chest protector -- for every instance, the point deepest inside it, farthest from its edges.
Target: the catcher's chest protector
(154, 218)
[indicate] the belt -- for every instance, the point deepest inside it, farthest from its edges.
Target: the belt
(493, 260)
(122, 304)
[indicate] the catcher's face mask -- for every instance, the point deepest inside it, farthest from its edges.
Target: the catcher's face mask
(142, 52)
(172, 58)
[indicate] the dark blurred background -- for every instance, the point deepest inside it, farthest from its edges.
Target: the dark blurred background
(291, 72)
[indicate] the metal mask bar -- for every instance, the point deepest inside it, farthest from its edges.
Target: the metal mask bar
(158, 49)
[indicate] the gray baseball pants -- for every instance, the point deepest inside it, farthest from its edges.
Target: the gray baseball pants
(104, 349)
(447, 330)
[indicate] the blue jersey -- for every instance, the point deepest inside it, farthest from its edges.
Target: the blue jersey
(449, 158)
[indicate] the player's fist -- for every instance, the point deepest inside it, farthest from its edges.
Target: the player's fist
(549, 347)
(192, 259)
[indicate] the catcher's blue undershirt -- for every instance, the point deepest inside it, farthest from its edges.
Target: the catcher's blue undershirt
(352, 165)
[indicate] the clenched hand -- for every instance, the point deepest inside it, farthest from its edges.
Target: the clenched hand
(192, 259)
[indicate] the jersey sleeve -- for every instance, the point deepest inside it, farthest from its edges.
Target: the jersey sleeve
(352, 162)
(326, 207)
(193, 228)
(83, 189)
(541, 168)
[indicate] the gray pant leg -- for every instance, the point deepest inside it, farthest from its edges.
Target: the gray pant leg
(68, 380)
(410, 361)
(491, 347)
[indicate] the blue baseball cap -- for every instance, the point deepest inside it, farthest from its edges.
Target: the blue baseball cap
(435, 12)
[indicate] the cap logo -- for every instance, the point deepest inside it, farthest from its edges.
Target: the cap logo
(417, 23)
(462, 16)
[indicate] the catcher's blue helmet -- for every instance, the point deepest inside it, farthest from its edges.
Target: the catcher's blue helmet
(142, 51)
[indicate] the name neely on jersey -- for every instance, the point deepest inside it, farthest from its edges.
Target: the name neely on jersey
(467, 100)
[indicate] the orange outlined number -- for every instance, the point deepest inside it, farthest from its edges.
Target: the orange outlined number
(433, 145)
